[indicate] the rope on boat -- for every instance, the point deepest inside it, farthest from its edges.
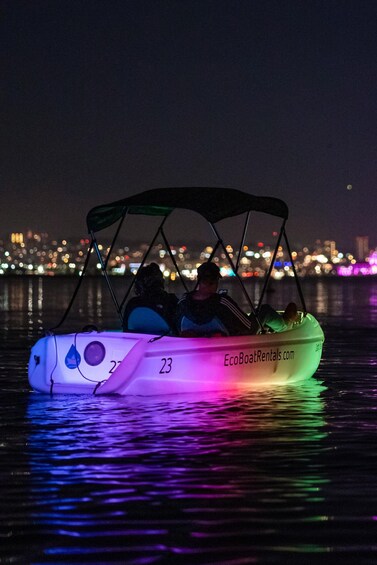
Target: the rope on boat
(52, 382)
(78, 364)
(96, 387)
(157, 337)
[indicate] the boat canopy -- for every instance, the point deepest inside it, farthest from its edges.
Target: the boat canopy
(214, 204)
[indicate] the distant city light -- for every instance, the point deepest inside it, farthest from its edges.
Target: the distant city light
(35, 253)
(357, 270)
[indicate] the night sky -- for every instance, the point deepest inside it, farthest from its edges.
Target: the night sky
(101, 99)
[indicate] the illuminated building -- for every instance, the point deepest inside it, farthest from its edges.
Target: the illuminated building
(17, 237)
(362, 247)
(369, 267)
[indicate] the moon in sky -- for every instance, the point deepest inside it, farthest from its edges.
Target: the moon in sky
(349, 186)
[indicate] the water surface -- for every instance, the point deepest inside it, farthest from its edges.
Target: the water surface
(280, 475)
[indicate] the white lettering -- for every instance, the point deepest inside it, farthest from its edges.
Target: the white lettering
(257, 356)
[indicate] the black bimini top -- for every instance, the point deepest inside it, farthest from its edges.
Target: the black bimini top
(214, 204)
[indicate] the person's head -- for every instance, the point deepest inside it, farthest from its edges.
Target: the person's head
(149, 280)
(208, 276)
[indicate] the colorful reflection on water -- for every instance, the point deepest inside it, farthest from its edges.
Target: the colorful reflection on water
(174, 477)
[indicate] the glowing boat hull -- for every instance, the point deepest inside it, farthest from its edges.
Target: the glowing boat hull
(140, 364)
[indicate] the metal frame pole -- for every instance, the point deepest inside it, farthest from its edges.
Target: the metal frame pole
(267, 280)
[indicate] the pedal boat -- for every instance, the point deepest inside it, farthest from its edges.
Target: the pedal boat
(154, 362)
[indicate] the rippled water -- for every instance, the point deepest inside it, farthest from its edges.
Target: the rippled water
(282, 475)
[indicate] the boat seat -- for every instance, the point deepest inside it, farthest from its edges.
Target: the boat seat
(213, 327)
(146, 320)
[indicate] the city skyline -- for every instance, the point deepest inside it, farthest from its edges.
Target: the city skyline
(361, 245)
(37, 254)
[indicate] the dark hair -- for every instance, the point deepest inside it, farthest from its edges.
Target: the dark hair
(209, 272)
(149, 279)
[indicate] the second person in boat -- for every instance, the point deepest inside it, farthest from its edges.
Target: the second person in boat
(152, 310)
(205, 312)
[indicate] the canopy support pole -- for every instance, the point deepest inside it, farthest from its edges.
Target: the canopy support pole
(124, 213)
(159, 229)
(76, 289)
(242, 243)
(103, 269)
(296, 276)
(272, 263)
(173, 259)
(220, 241)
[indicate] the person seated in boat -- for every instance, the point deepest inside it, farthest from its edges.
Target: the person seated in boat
(205, 312)
(152, 310)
